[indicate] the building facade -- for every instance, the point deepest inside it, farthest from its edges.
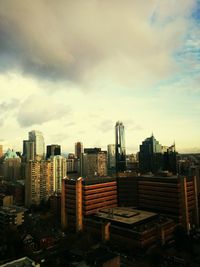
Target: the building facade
(78, 149)
(39, 146)
(120, 150)
(53, 150)
(84, 197)
(94, 162)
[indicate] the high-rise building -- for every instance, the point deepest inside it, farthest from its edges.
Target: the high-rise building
(78, 149)
(37, 180)
(11, 165)
(150, 156)
(59, 172)
(111, 157)
(1, 151)
(28, 150)
(53, 150)
(120, 151)
(94, 162)
(154, 157)
(38, 139)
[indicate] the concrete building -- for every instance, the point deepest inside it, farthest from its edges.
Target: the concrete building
(28, 150)
(129, 228)
(78, 149)
(11, 166)
(59, 172)
(173, 196)
(38, 177)
(111, 157)
(53, 150)
(94, 162)
(127, 189)
(84, 197)
(11, 215)
(39, 146)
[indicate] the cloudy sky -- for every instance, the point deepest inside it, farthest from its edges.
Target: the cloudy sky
(71, 69)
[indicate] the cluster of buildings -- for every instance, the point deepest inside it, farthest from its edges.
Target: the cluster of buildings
(132, 200)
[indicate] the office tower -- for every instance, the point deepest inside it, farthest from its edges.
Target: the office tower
(28, 150)
(53, 150)
(111, 157)
(170, 159)
(38, 139)
(78, 149)
(150, 156)
(11, 166)
(155, 158)
(120, 151)
(59, 172)
(1, 151)
(72, 165)
(84, 197)
(94, 162)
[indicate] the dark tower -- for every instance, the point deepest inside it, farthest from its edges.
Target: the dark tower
(53, 150)
(120, 147)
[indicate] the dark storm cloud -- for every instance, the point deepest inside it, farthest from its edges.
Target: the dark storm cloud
(82, 40)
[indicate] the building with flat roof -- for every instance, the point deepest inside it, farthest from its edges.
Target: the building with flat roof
(22, 262)
(83, 197)
(11, 215)
(173, 196)
(130, 228)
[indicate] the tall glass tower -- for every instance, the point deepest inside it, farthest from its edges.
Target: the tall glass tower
(38, 139)
(120, 150)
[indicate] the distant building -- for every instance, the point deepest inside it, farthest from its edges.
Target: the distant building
(39, 146)
(38, 177)
(59, 172)
(43, 179)
(94, 162)
(154, 157)
(120, 151)
(1, 151)
(111, 157)
(11, 165)
(28, 150)
(53, 150)
(78, 149)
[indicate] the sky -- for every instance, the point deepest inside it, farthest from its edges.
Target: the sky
(71, 69)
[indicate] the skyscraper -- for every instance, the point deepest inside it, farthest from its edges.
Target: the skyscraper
(38, 139)
(53, 150)
(28, 150)
(120, 150)
(111, 157)
(78, 149)
(150, 155)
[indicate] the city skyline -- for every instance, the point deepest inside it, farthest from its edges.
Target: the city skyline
(79, 67)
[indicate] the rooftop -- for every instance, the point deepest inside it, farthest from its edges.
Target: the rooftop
(124, 215)
(12, 209)
(22, 262)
